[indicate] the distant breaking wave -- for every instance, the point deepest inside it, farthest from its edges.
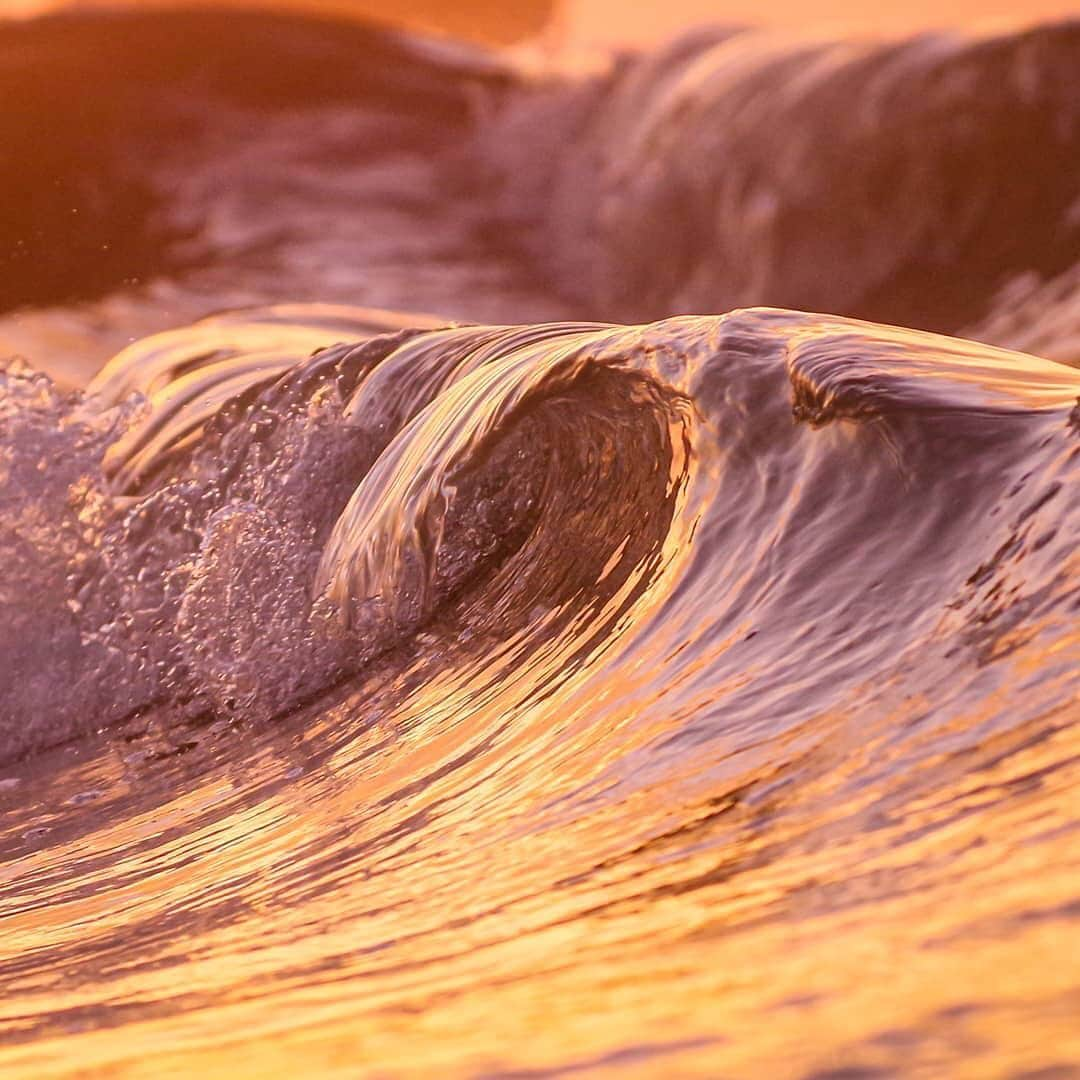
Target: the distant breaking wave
(237, 159)
(501, 692)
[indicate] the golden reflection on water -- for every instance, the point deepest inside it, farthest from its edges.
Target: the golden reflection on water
(394, 912)
(500, 859)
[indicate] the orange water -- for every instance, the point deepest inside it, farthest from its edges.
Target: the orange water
(791, 791)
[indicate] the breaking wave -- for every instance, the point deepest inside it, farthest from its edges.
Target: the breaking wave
(523, 695)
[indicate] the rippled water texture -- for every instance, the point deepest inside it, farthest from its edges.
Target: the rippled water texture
(402, 675)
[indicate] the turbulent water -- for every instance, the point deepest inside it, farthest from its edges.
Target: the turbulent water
(403, 676)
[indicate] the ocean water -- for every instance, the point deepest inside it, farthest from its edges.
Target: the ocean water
(522, 570)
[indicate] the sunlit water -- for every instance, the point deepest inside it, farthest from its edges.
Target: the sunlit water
(387, 696)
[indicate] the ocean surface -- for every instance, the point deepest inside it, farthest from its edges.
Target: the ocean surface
(464, 614)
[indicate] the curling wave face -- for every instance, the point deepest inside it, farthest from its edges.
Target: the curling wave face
(686, 607)
(544, 697)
